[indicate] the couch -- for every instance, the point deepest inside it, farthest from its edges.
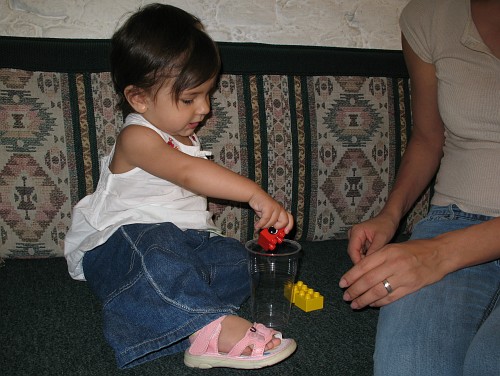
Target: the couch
(322, 129)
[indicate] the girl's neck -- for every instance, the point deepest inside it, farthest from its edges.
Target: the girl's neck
(185, 140)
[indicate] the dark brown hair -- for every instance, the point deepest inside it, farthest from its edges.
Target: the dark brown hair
(161, 42)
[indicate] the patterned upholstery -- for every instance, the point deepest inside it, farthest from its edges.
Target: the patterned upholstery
(321, 129)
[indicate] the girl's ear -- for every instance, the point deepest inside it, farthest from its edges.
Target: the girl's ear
(137, 98)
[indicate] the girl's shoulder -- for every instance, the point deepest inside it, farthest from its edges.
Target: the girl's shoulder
(136, 122)
(137, 126)
(139, 133)
(134, 119)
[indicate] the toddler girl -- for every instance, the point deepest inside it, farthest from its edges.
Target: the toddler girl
(144, 240)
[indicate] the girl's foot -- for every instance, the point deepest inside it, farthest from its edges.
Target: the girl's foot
(231, 341)
(233, 330)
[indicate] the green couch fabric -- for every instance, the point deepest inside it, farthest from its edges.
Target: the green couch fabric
(322, 129)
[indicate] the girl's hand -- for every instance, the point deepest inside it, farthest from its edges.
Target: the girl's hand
(407, 266)
(369, 236)
(270, 212)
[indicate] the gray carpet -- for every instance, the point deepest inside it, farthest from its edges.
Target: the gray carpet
(50, 325)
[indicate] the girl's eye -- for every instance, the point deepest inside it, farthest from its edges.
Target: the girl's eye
(187, 101)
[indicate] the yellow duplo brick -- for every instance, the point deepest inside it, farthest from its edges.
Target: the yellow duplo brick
(303, 296)
(309, 300)
(299, 288)
(291, 291)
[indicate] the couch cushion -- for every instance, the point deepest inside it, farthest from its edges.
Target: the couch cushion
(321, 129)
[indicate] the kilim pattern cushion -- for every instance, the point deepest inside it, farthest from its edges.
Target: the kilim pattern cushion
(323, 141)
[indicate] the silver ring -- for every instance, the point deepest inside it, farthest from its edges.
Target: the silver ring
(387, 286)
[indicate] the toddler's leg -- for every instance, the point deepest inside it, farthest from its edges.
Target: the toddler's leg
(155, 290)
(225, 259)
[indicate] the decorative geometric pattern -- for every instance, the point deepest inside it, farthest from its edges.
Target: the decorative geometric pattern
(224, 137)
(353, 187)
(327, 147)
(353, 123)
(277, 138)
(36, 201)
(34, 168)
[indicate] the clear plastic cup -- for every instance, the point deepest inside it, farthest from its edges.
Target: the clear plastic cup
(272, 278)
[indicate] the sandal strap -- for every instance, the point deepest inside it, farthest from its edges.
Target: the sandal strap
(207, 339)
(256, 338)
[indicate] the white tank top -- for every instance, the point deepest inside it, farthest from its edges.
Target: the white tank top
(133, 197)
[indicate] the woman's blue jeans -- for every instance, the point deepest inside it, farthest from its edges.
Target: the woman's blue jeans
(159, 284)
(450, 328)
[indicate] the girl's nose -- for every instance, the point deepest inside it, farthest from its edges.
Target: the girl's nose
(204, 107)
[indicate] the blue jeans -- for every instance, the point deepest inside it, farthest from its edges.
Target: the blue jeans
(449, 328)
(159, 284)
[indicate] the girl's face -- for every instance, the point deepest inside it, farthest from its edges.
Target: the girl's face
(178, 119)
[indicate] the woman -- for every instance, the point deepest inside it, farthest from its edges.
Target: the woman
(439, 291)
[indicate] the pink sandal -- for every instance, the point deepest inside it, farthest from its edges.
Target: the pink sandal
(204, 353)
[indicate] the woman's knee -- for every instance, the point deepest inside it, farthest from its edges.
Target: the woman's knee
(483, 355)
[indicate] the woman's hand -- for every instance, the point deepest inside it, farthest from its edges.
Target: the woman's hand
(407, 267)
(369, 236)
(411, 265)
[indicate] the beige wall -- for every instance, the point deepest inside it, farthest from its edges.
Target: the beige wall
(341, 23)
